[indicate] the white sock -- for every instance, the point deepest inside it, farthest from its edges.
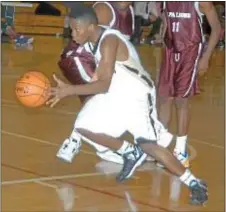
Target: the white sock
(126, 147)
(187, 177)
(181, 144)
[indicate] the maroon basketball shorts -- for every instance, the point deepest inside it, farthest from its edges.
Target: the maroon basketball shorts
(178, 74)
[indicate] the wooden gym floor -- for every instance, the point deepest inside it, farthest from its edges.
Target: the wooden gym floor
(33, 179)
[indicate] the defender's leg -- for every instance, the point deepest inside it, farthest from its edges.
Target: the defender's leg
(186, 86)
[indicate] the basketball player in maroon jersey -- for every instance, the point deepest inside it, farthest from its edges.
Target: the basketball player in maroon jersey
(183, 60)
(116, 15)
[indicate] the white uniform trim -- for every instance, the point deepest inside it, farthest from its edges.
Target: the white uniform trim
(81, 69)
(194, 71)
(197, 8)
(200, 14)
(133, 18)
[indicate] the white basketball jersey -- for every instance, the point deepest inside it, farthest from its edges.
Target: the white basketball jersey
(124, 78)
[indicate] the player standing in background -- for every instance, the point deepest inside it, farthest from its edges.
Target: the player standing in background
(117, 15)
(183, 60)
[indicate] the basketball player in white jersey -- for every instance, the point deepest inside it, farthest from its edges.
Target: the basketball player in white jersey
(124, 99)
(77, 63)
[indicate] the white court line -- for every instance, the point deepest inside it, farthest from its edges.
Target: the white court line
(52, 178)
(38, 140)
(46, 184)
(208, 144)
(75, 113)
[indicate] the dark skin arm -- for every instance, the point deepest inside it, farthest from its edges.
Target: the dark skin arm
(105, 70)
(163, 24)
(209, 10)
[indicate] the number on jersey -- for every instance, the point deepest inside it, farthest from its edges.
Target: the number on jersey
(175, 26)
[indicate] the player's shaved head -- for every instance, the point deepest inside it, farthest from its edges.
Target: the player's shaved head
(84, 13)
(83, 20)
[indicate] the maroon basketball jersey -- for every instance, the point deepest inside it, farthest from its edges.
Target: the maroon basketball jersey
(124, 20)
(183, 24)
(77, 65)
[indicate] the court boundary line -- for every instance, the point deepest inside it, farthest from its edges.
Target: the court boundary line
(44, 184)
(65, 112)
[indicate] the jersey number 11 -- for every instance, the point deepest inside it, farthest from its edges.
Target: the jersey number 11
(175, 26)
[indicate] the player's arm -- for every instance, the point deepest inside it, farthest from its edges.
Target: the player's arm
(209, 10)
(104, 13)
(163, 25)
(105, 70)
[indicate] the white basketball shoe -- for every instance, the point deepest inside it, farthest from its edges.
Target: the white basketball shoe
(69, 149)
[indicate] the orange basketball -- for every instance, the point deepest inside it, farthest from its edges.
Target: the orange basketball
(31, 89)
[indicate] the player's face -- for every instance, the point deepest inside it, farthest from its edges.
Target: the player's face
(80, 31)
(123, 5)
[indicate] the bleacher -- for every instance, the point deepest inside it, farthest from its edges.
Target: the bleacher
(27, 22)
